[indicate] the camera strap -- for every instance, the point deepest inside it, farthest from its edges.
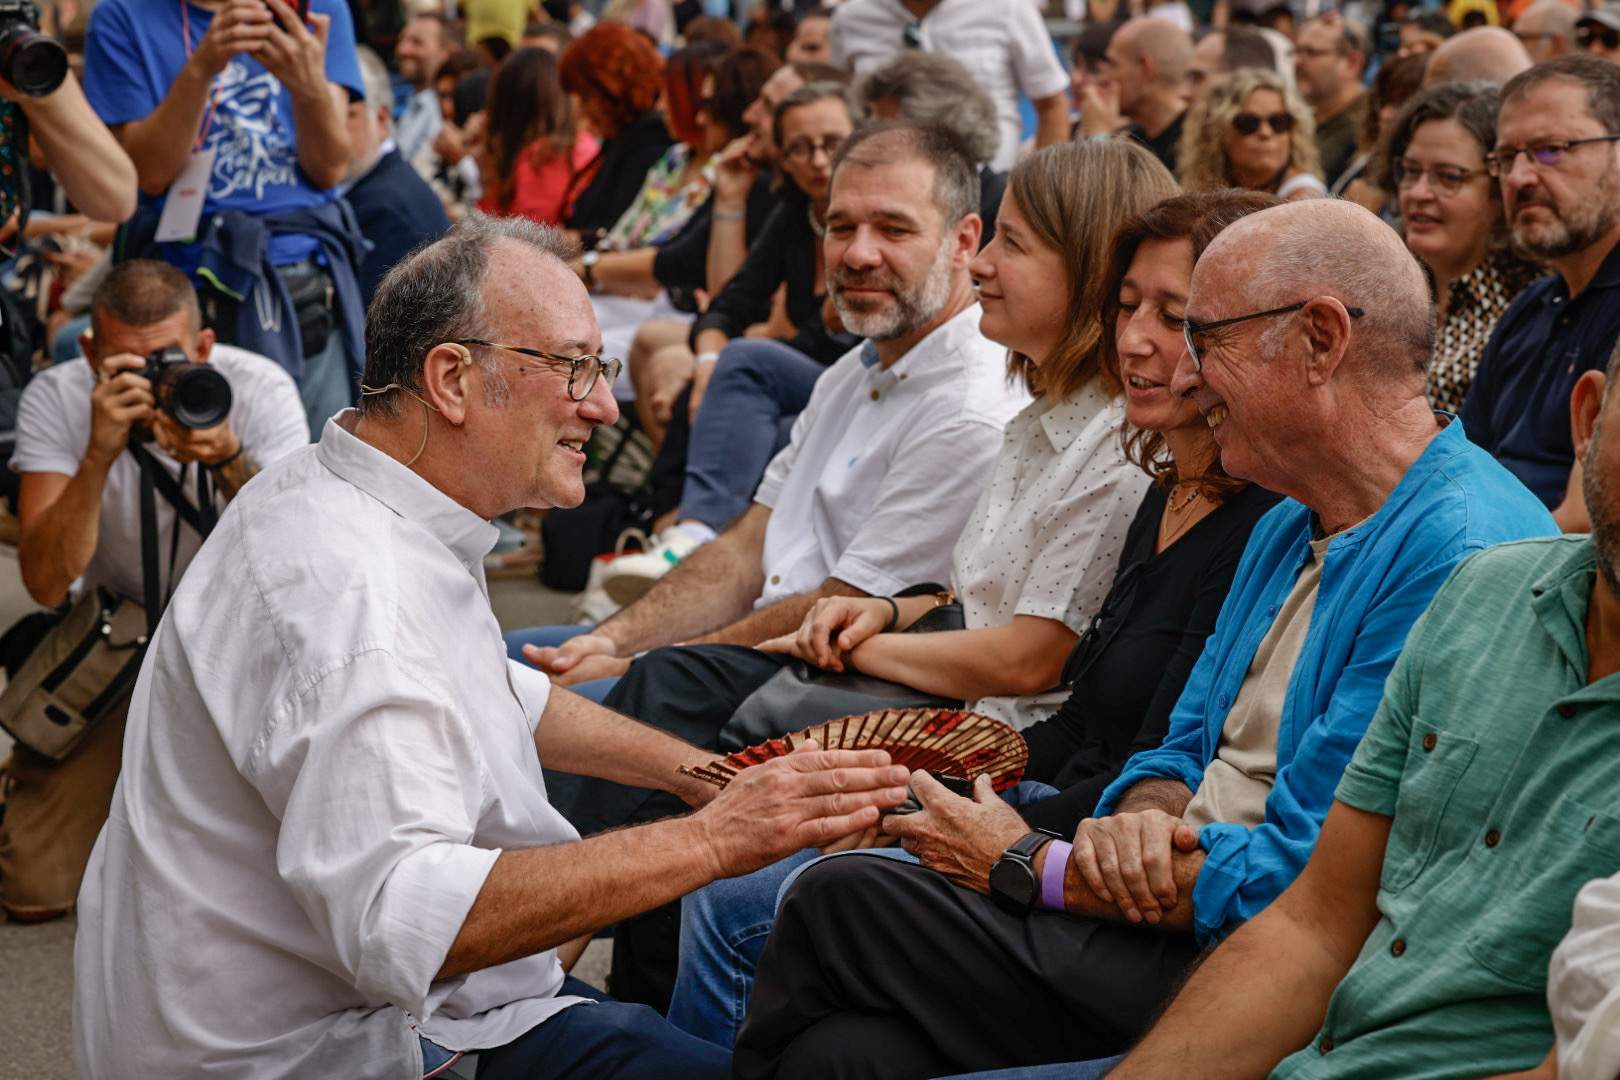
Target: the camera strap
(201, 517)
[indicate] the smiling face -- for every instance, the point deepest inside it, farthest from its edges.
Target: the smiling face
(1255, 159)
(1148, 338)
(1451, 229)
(1557, 210)
(420, 50)
(1018, 274)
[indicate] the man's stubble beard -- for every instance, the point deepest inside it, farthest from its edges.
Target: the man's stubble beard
(1564, 237)
(912, 308)
(1601, 511)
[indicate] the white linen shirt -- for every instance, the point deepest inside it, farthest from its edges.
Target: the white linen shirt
(1045, 538)
(326, 752)
(884, 465)
(53, 434)
(1004, 46)
(1583, 985)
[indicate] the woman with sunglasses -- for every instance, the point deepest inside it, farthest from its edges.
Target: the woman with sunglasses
(1451, 213)
(1126, 672)
(1252, 131)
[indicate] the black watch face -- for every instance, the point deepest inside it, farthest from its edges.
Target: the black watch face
(1014, 882)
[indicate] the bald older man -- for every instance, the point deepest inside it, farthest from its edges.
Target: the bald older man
(1546, 30)
(1486, 53)
(1140, 87)
(1309, 329)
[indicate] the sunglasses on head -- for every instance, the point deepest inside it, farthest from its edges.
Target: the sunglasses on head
(1247, 123)
(1589, 35)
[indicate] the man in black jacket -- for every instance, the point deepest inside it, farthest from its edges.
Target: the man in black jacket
(394, 206)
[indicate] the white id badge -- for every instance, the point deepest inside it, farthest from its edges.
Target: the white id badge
(183, 208)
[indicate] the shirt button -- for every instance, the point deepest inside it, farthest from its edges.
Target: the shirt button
(1430, 741)
(776, 579)
(1397, 947)
(875, 395)
(1493, 838)
(1221, 702)
(1326, 1044)
(1566, 710)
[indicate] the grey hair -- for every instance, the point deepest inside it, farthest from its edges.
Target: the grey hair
(435, 295)
(1600, 78)
(933, 89)
(956, 179)
(1366, 265)
(374, 75)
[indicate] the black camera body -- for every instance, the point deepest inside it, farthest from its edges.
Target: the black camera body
(33, 62)
(193, 395)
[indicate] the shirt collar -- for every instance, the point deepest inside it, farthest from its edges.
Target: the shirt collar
(468, 536)
(1065, 419)
(1560, 597)
(940, 350)
(388, 147)
(1607, 277)
(1447, 444)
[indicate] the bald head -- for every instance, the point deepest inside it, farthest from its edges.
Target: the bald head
(1485, 52)
(1279, 256)
(1163, 46)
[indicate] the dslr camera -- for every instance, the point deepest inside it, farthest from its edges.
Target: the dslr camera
(193, 395)
(33, 62)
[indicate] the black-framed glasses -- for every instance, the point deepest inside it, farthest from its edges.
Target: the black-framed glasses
(802, 150)
(1446, 179)
(582, 370)
(912, 36)
(1247, 123)
(1548, 155)
(1588, 35)
(1190, 330)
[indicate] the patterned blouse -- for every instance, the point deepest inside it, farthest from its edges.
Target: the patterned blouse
(1478, 299)
(664, 204)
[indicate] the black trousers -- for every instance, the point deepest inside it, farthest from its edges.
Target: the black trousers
(883, 969)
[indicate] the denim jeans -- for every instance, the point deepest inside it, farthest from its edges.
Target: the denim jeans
(549, 637)
(723, 930)
(1079, 1070)
(759, 386)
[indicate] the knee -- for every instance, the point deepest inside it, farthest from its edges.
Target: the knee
(745, 358)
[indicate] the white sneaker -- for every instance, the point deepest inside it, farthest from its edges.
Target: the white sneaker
(627, 578)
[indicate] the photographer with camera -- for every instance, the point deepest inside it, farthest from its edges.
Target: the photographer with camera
(153, 384)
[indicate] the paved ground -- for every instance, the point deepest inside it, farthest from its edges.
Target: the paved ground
(36, 962)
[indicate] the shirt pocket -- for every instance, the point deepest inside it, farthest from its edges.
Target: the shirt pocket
(1435, 763)
(1534, 895)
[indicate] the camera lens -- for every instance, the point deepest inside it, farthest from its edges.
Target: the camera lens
(31, 61)
(196, 395)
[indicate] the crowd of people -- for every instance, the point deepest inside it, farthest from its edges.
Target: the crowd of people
(1190, 392)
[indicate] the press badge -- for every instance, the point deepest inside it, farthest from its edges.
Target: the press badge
(182, 210)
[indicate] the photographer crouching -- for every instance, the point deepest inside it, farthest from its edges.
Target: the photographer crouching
(126, 458)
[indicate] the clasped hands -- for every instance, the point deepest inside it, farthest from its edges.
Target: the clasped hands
(832, 630)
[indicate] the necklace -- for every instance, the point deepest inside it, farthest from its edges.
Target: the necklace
(1169, 534)
(1170, 501)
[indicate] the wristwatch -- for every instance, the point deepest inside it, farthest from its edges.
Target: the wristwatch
(587, 263)
(1014, 885)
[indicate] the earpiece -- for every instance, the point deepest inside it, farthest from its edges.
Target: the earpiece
(466, 353)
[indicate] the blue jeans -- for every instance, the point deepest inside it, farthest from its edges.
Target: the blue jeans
(759, 386)
(1079, 1070)
(549, 637)
(723, 931)
(609, 1038)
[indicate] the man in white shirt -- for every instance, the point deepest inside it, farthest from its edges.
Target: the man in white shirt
(79, 511)
(1005, 45)
(331, 853)
(886, 462)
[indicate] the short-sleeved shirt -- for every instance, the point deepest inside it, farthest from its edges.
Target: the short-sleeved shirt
(1518, 405)
(133, 51)
(53, 434)
(1004, 45)
(1495, 758)
(1045, 537)
(885, 464)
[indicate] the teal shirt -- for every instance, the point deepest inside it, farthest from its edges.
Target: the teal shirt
(1501, 768)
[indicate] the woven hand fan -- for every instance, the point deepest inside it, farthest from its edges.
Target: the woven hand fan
(940, 740)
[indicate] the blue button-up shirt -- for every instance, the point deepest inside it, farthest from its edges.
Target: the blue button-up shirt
(1517, 407)
(1377, 578)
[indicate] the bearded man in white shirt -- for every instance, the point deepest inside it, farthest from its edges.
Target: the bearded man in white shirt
(330, 852)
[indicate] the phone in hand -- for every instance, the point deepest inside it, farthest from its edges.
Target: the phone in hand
(301, 6)
(956, 785)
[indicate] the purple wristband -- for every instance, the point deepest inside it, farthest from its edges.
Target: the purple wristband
(1052, 874)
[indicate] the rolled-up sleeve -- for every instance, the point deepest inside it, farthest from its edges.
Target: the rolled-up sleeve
(378, 784)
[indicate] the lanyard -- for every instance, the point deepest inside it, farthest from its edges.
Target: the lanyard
(213, 89)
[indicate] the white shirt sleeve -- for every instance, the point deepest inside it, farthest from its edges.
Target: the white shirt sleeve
(923, 506)
(1034, 62)
(1078, 541)
(781, 466)
(50, 439)
(378, 782)
(1583, 985)
(271, 421)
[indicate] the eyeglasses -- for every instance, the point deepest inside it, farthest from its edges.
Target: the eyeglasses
(1314, 52)
(582, 370)
(1542, 155)
(1586, 35)
(1446, 179)
(1190, 330)
(803, 150)
(1247, 123)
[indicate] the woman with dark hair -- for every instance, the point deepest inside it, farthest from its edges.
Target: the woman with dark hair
(532, 151)
(616, 77)
(1451, 214)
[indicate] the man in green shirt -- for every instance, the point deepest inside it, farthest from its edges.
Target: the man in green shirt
(1415, 943)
